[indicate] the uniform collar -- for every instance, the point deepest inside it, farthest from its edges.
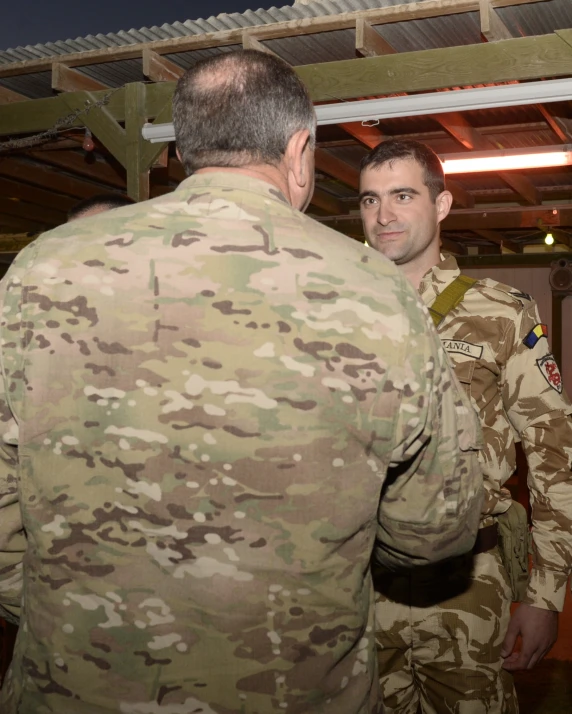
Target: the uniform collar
(231, 181)
(437, 279)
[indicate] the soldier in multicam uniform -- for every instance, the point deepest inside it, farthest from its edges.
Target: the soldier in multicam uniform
(445, 636)
(203, 398)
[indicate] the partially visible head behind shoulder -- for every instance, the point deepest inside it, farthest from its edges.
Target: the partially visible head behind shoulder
(246, 111)
(396, 149)
(98, 204)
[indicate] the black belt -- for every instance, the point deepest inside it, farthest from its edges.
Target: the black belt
(487, 539)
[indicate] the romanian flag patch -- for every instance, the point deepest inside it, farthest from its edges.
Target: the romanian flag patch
(535, 334)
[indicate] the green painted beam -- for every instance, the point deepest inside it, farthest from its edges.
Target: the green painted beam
(517, 59)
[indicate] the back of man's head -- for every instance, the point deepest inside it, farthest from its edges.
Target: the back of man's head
(392, 150)
(98, 204)
(239, 109)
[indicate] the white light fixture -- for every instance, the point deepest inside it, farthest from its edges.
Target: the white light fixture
(549, 239)
(459, 100)
(507, 160)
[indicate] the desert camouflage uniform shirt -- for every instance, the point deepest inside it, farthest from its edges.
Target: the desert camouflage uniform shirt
(203, 395)
(500, 351)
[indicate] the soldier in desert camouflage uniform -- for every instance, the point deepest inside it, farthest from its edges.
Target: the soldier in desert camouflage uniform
(444, 635)
(203, 397)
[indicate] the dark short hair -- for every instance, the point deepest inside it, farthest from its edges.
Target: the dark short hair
(103, 201)
(396, 149)
(239, 108)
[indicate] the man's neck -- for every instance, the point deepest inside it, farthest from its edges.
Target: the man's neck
(263, 172)
(416, 270)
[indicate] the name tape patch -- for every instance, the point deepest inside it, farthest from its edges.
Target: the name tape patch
(463, 348)
(537, 332)
(547, 365)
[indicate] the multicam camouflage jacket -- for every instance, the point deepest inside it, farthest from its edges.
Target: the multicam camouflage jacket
(499, 348)
(202, 397)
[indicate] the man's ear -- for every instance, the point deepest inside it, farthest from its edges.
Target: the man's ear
(443, 203)
(296, 157)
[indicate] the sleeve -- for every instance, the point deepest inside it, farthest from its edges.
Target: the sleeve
(12, 536)
(432, 497)
(539, 410)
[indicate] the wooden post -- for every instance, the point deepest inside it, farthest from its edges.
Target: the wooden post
(137, 174)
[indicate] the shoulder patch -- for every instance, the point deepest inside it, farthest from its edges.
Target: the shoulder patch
(547, 365)
(521, 296)
(463, 348)
(537, 332)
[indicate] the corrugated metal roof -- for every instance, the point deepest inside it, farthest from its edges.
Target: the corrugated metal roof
(445, 31)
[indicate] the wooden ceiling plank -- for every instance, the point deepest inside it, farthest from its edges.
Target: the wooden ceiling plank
(66, 79)
(19, 224)
(332, 166)
(370, 43)
(506, 220)
(160, 69)
(492, 27)
(498, 239)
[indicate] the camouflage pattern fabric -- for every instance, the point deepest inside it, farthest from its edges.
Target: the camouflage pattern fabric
(204, 396)
(446, 654)
(500, 352)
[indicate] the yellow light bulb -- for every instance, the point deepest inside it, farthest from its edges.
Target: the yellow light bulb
(549, 239)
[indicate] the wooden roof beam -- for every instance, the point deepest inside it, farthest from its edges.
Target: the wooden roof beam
(498, 239)
(76, 163)
(338, 169)
(370, 43)
(460, 195)
(492, 27)
(327, 202)
(460, 129)
(160, 69)
(369, 136)
(33, 194)
(251, 42)
(66, 79)
(557, 125)
(32, 212)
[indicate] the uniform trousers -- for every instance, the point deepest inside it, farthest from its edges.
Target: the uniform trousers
(439, 634)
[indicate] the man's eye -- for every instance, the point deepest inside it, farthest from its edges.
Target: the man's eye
(368, 201)
(403, 197)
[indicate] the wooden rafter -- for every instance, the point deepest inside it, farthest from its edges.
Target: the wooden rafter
(160, 69)
(337, 168)
(492, 27)
(460, 129)
(66, 79)
(7, 96)
(369, 43)
(498, 239)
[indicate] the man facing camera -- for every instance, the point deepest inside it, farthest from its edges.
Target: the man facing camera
(445, 636)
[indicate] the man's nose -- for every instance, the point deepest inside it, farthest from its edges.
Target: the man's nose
(385, 215)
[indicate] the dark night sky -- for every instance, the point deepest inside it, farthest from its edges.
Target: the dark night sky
(28, 22)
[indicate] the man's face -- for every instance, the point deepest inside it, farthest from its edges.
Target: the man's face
(400, 219)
